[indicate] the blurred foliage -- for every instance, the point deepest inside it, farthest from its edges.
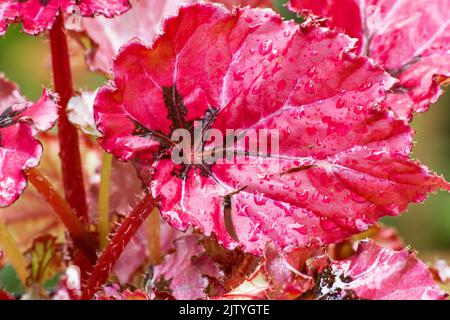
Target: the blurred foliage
(26, 60)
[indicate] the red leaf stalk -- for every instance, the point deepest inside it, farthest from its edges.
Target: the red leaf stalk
(81, 238)
(68, 135)
(122, 237)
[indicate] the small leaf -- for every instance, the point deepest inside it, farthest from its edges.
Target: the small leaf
(45, 259)
(377, 273)
(20, 121)
(185, 273)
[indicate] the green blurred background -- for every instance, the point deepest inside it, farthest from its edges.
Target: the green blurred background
(426, 227)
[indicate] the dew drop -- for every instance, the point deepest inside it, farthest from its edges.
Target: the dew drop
(310, 86)
(340, 103)
(302, 195)
(327, 224)
(358, 109)
(265, 47)
(311, 71)
(301, 229)
(366, 86)
(255, 26)
(260, 200)
(256, 90)
(357, 198)
(238, 75)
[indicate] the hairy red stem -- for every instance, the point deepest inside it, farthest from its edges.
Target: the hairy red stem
(122, 237)
(81, 238)
(68, 135)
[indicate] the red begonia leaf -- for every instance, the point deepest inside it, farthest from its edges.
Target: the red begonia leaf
(343, 160)
(235, 264)
(142, 21)
(20, 121)
(411, 39)
(242, 3)
(39, 15)
(185, 273)
(45, 259)
(284, 273)
(377, 273)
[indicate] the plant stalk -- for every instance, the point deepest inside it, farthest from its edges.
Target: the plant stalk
(121, 238)
(82, 239)
(103, 200)
(67, 133)
(153, 237)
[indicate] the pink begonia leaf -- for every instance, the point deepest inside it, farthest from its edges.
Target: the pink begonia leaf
(142, 21)
(343, 160)
(39, 15)
(410, 38)
(377, 273)
(185, 273)
(283, 272)
(20, 121)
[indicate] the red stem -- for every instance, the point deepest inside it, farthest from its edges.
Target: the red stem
(122, 237)
(81, 238)
(68, 135)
